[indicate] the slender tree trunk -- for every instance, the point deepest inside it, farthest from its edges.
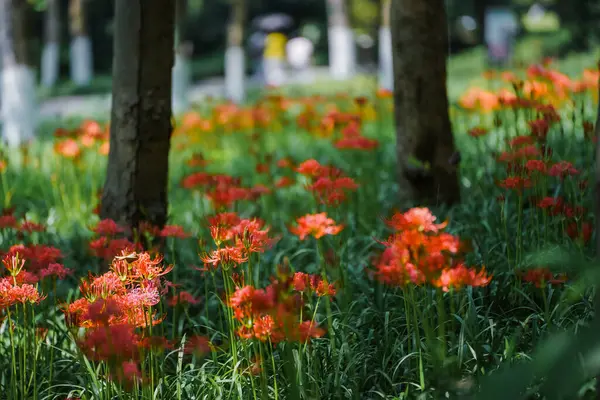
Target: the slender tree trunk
(136, 181)
(51, 51)
(81, 44)
(235, 63)
(425, 145)
(17, 81)
(181, 69)
(386, 64)
(342, 51)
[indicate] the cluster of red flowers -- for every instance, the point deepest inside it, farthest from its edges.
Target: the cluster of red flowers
(542, 276)
(236, 240)
(42, 262)
(108, 245)
(16, 288)
(273, 314)
(222, 190)
(420, 252)
(315, 225)
(89, 135)
(329, 184)
(352, 139)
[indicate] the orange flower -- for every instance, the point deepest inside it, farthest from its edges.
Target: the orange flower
(315, 225)
(68, 148)
(420, 219)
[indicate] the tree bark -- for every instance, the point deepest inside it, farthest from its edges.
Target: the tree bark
(235, 29)
(342, 52)
(81, 45)
(77, 20)
(15, 36)
(136, 181)
(337, 13)
(425, 144)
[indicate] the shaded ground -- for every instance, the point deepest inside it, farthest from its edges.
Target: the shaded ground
(99, 105)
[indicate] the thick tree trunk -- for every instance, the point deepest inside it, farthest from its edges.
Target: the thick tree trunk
(17, 80)
(81, 44)
(235, 65)
(342, 51)
(386, 64)
(51, 51)
(181, 69)
(425, 145)
(136, 181)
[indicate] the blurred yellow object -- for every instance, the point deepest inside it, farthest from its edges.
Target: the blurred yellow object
(275, 46)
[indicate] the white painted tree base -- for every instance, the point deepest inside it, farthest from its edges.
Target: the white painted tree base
(50, 64)
(342, 52)
(386, 63)
(274, 71)
(235, 73)
(19, 107)
(181, 84)
(81, 60)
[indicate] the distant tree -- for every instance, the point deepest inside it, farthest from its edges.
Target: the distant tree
(235, 65)
(136, 180)
(425, 144)
(51, 51)
(386, 68)
(183, 52)
(17, 83)
(342, 53)
(81, 44)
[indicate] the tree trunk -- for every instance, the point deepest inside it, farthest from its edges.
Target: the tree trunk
(342, 51)
(51, 51)
(181, 69)
(136, 180)
(235, 65)
(81, 44)
(386, 64)
(17, 81)
(425, 145)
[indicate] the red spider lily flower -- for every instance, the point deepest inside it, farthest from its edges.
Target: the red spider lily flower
(8, 221)
(197, 179)
(262, 168)
(310, 168)
(461, 276)
(57, 270)
(357, 143)
(226, 219)
(68, 148)
(420, 219)
(29, 227)
(562, 169)
(114, 342)
(198, 345)
(325, 289)
(131, 372)
(584, 234)
(11, 293)
(225, 256)
(536, 165)
(285, 163)
(516, 183)
(477, 132)
(174, 231)
(309, 330)
(539, 128)
(184, 298)
(107, 227)
(13, 263)
(520, 141)
(315, 225)
(541, 276)
(282, 182)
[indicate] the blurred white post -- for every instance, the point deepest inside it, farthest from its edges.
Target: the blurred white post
(81, 57)
(299, 55)
(274, 59)
(235, 65)
(51, 52)
(386, 64)
(342, 51)
(17, 79)
(181, 73)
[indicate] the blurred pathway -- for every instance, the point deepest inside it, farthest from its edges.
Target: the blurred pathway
(99, 105)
